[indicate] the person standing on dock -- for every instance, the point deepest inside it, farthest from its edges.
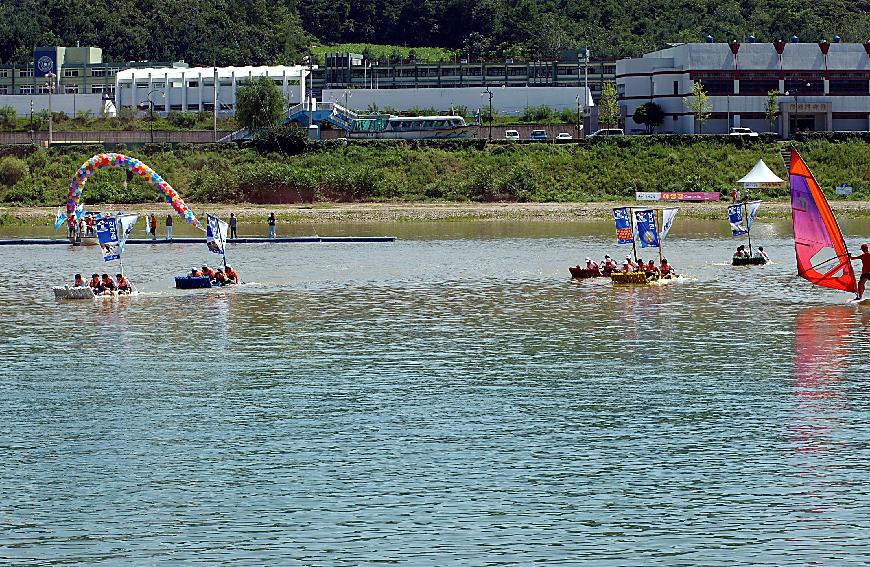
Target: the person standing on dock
(233, 219)
(271, 222)
(153, 222)
(168, 227)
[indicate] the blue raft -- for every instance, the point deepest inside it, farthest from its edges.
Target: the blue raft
(192, 282)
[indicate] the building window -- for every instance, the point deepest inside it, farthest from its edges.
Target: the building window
(193, 107)
(192, 83)
(758, 86)
(23, 73)
(4, 90)
(175, 107)
(845, 87)
(71, 89)
(25, 90)
(4, 73)
(98, 72)
(610, 69)
(43, 89)
(160, 85)
(97, 89)
(112, 72)
(70, 72)
(676, 87)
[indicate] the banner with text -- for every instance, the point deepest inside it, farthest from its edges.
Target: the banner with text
(107, 234)
(646, 228)
(624, 232)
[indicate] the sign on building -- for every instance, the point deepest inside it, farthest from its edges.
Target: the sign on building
(44, 62)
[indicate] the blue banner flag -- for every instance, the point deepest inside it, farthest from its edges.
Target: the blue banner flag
(59, 219)
(107, 234)
(646, 228)
(735, 217)
(624, 232)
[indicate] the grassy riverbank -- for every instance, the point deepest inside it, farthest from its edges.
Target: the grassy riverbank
(458, 172)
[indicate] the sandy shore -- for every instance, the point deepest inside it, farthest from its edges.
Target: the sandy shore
(403, 212)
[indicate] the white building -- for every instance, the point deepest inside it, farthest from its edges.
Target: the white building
(192, 89)
(821, 87)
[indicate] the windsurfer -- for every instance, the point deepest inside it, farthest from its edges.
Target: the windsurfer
(864, 256)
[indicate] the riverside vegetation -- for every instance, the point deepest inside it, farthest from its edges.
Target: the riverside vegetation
(290, 170)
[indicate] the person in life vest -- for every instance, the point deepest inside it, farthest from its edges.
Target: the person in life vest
(95, 284)
(220, 277)
(864, 256)
(741, 252)
(762, 254)
(195, 273)
(651, 268)
(153, 225)
(641, 266)
(79, 282)
(667, 271)
(123, 285)
(89, 224)
(631, 265)
(232, 276)
(592, 266)
(206, 271)
(609, 265)
(107, 285)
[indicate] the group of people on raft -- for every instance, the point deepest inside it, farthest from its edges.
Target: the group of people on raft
(105, 285)
(759, 253)
(219, 277)
(609, 266)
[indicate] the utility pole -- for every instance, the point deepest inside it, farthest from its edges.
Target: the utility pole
(31, 123)
(215, 106)
(487, 91)
(50, 77)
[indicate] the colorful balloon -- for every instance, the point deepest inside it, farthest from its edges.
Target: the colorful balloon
(99, 161)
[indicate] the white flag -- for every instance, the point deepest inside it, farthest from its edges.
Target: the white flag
(125, 227)
(216, 234)
(752, 210)
(668, 219)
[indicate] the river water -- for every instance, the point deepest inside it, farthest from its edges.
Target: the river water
(450, 398)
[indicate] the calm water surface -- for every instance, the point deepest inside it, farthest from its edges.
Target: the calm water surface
(451, 398)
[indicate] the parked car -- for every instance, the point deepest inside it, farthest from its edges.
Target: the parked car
(738, 131)
(606, 132)
(564, 136)
(511, 135)
(538, 135)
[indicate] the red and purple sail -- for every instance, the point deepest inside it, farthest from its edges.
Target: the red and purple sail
(816, 230)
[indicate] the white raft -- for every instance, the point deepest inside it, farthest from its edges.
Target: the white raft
(67, 292)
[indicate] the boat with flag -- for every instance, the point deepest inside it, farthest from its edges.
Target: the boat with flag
(741, 216)
(823, 258)
(112, 232)
(633, 225)
(215, 240)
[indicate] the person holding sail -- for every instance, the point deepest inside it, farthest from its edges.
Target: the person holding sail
(864, 256)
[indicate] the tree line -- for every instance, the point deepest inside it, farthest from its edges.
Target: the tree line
(280, 31)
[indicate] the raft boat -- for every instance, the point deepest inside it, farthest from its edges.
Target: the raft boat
(579, 273)
(629, 277)
(753, 261)
(73, 293)
(196, 282)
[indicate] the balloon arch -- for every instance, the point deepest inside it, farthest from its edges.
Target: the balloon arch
(134, 166)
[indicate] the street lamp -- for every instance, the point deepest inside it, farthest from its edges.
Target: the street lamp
(51, 77)
(578, 116)
(347, 95)
(487, 91)
(151, 111)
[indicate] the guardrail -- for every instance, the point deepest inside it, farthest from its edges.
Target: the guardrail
(115, 137)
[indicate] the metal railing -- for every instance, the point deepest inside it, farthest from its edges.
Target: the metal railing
(114, 137)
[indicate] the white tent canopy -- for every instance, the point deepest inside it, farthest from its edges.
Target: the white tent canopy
(760, 176)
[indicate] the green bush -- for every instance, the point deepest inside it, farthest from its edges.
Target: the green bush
(12, 170)
(182, 119)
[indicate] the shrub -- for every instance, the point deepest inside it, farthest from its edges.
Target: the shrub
(12, 170)
(182, 119)
(8, 118)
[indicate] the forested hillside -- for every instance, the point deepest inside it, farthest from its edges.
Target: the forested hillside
(272, 31)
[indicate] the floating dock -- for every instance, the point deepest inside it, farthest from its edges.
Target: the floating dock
(249, 240)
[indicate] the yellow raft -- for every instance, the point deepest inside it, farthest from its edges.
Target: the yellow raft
(628, 278)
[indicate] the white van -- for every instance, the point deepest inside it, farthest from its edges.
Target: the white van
(511, 135)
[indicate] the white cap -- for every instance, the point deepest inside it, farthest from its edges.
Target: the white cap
(588, 259)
